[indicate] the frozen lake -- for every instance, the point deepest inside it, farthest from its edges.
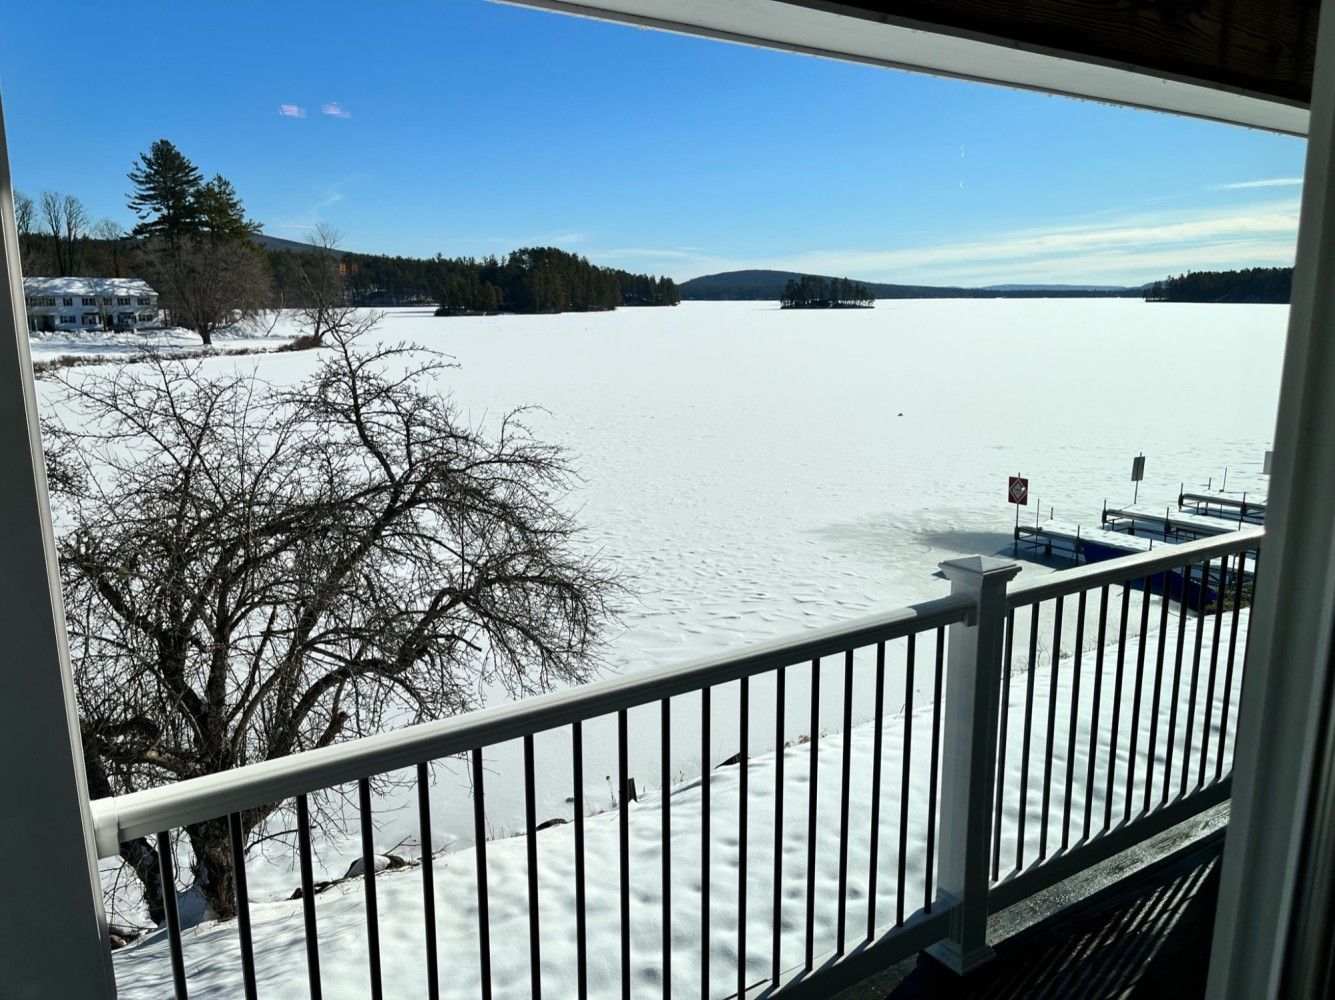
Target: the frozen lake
(758, 472)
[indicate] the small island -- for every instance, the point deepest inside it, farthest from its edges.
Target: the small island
(543, 280)
(811, 292)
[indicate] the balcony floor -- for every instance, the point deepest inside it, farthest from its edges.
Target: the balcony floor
(1147, 934)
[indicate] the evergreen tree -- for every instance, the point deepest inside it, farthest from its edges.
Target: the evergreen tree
(220, 212)
(166, 190)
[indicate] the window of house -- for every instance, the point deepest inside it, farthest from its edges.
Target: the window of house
(144, 300)
(90, 319)
(67, 301)
(146, 317)
(68, 319)
(90, 300)
(123, 300)
(106, 302)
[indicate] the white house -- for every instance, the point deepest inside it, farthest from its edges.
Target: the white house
(90, 304)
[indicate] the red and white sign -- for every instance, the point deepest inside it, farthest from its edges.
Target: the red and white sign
(1018, 493)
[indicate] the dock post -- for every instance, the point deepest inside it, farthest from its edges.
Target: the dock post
(969, 757)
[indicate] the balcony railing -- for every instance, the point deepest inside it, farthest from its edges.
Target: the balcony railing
(1023, 766)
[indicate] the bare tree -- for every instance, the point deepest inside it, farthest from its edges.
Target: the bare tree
(66, 222)
(25, 218)
(325, 308)
(75, 228)
(112, 233)
(25, 213)
(251, 571)
(207, 284)
(53, 216)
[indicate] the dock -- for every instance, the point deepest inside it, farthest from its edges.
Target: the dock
(1163, 524)
(1068, 540)
(1239, 508)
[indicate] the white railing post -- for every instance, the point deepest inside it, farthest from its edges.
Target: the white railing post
(969, 756)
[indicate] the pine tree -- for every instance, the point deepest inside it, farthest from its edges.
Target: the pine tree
(166, 187)
(220, 212)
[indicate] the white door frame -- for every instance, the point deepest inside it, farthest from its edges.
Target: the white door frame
(53, 929)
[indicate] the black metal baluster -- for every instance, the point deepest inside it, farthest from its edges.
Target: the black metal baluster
(706, 763)
(665, 756)
(1214, 668)
(1177, 682)
(1094, 710)
(1228, 670)
(581, 918)
(935, 776)
(1027, 735)
(841, 921)
(428, 880)
(904, 780)
(1117, 709)
(623, 768)
(1075, 717)
(1156, 702)
(308, 896)
(1052, 729)
(874, 845)
(743, 775)
(167, 877)
(480, 849)
(1136, 698)
(780, 697)
(368, 885)
(242, 905)
(1195, 681)
(811, 814)
(531, 839)
(1002, 756)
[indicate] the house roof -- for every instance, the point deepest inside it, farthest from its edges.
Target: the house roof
(101, 287)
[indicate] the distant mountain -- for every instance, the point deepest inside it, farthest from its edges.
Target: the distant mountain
(291, 246)
(763, 284)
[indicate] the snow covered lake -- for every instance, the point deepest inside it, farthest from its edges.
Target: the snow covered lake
(758, 472)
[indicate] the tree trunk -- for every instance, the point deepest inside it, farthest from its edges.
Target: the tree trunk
(138, 854)
(211, 842)
(206, 335)
(143, 861)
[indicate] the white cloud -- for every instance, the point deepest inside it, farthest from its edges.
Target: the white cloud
(335, 110)
(1272, 182)
(1130, 249)
(291, 111)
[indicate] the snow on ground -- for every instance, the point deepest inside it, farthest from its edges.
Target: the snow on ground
(757, 472)
(213, 959)
(55, 345)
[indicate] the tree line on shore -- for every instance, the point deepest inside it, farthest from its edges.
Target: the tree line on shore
(195, 244)
(812, 292)
(1252, 284)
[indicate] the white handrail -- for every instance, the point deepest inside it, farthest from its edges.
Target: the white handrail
(172, 806)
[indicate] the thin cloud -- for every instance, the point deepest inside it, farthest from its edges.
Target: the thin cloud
(1272, 182)
(291, 111)
(1130, 249)
(335, 110)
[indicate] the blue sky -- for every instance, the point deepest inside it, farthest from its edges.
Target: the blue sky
(464, 127)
